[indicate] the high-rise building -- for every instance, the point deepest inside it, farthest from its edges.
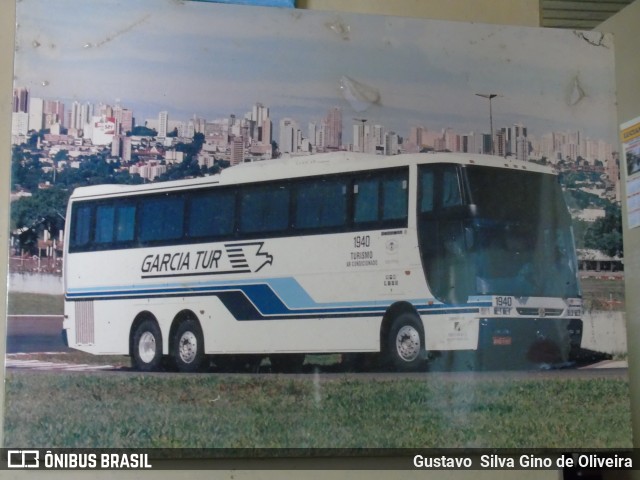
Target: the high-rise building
(257, 126)
(378, 139)
(124, 119)
(516, 131)
(474, 143)
(259, 113)
(266, 132)
(391, 144)
(358, 137)
(53, 112)
(163, 124)
(321, 137)
(81, 115)
(522, 148)
(19, 123)
(367, 138)
(237, 150)
(500, 143)
(288, 136)
(333, 121)
(312, 133)
(36, 114)
(116, 146)
(416, 135)
(451, 140)
(126, 149)
(20, 100)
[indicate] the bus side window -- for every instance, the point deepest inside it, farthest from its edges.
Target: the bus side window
(366, 201)
(321, 204)
(161, 218)
(105, 219)
(264, 209)
(394, 198)
(81, 226)
(125, 223)
(211, 214)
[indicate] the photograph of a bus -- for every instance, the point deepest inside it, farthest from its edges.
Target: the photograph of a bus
(406, 259)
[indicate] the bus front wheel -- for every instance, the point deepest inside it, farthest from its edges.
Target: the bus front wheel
(147, 346)
(188, 346)
(405, 343)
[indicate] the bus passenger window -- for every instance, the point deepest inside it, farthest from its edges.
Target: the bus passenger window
(321, 204)
(105, 216)
(82, 226)
(366, 201)
(264, 209)
(161, 219)
(125, 223)
(394, 194)
(212, 214)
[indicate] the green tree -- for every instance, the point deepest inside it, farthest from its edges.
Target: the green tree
(26, 169)
(141, 131)
(60, 156)
(45, 210)
(605, 234)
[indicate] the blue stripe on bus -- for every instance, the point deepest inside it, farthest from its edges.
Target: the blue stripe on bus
(271, 298)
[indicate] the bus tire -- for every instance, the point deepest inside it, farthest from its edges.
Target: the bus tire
(405, 343)
(147, 346)
(188, 346)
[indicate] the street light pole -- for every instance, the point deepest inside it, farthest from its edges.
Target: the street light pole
(490, 96)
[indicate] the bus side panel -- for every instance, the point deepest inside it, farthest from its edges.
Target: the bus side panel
(225, 334)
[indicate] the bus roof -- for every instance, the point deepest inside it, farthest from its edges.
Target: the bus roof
(310, 165)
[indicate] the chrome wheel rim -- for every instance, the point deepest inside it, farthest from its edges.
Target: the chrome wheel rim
(408, 343)
(147, 347)
(188, 347)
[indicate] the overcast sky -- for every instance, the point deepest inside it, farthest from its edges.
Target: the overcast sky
(213, 60)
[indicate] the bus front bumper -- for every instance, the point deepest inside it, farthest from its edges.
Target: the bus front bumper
(529, 340)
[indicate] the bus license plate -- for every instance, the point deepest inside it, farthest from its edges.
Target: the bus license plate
(501, 340)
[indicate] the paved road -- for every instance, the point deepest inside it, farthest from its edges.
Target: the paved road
(27, 333)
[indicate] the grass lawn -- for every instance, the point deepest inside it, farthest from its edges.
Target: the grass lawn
(236, 411)
(34, 304)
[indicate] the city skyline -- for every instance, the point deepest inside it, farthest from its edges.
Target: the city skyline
(211, 60)
(555, 146)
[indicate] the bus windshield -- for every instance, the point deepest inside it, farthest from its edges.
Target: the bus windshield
(516, 240)
(523, 240)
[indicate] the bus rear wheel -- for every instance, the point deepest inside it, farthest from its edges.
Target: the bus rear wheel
(147, 346)
(188, 346)
(405, 343)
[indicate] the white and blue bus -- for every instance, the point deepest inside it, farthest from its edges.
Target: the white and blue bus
(403, 256)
